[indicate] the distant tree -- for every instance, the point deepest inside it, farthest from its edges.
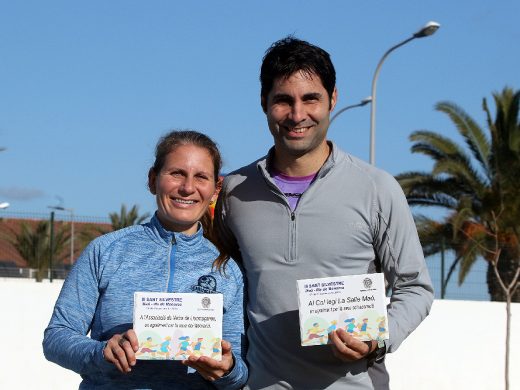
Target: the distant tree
(489, 241)
(117, 221)
(32, 242)
(472, 184)
(127, 218)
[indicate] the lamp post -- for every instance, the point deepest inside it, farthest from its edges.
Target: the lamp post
(363, 102)
(428, 29)
(71, 211)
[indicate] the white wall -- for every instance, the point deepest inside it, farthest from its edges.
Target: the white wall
(459, 346)
(26, 308)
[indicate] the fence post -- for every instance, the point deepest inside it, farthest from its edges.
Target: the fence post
(51, 243)
(443, 287)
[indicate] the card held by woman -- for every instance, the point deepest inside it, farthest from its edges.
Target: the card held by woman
(173, 326)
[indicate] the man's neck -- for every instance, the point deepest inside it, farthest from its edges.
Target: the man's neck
(305, 165)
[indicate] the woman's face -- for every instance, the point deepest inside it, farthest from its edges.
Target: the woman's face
(183, 188)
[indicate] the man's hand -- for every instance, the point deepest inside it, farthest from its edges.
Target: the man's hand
(348, 348)
(120, 350)
(212, 369)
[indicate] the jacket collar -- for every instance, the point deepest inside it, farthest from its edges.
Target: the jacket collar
(181, 239)
(264, 164)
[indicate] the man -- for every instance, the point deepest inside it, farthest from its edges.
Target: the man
(310, 210)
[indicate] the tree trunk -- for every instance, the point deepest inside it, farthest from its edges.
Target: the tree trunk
(508, 342)
(507, 267)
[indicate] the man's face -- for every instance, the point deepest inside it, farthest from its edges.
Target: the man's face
(297, 110)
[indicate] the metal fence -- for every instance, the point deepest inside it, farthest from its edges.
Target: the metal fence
(31, 273)
(25, 237)
(12, 263)
(474, 287)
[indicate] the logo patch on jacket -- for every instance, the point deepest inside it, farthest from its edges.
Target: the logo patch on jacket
(206, 284)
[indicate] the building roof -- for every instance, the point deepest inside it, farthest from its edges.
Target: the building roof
(10, 227)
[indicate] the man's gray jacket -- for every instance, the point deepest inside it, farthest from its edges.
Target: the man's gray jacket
(351, 217)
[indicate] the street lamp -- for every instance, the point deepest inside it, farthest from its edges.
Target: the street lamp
(363, 102)
(71, 211)
(428, 29)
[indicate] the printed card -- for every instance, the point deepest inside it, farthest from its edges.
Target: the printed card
(173, 326)
(356, 303)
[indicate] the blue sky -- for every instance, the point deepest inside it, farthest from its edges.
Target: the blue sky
(87, 88)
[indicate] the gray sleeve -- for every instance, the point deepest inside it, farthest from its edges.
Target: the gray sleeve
(399, 250)
(65, 338)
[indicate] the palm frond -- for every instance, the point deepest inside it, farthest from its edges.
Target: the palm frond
(473, 134)
(468, 259)
(452, 269)
(434, 145)
(32, 243)
(127, 218)
(463, 173)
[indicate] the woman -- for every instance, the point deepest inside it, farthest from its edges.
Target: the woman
(169, 254)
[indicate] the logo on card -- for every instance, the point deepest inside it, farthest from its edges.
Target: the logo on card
(206, 284)
(367, 282)
(206, 302)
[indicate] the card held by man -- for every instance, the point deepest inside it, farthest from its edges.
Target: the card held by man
(355, 303)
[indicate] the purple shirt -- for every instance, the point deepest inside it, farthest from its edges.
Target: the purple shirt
(292, 186)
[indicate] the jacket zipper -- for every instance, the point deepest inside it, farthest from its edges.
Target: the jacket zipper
(292, 223)
(292, 239)
(171, 261)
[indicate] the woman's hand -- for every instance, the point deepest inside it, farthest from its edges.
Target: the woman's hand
(212, 369)
(120, 350)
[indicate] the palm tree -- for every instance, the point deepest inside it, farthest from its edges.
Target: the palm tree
(117, 221)
(478, 186)
(127, 218)
(32, 242)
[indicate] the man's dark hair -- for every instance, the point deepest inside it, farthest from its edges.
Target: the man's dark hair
(290, 55)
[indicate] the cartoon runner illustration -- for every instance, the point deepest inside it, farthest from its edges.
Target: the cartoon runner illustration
(381, 328)
(146, 347)
(363, 327)
(216, 348)
(333, 326)
(350, 326)
(314, 333)
(165, 348)
(183, 347)
(197, 346)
